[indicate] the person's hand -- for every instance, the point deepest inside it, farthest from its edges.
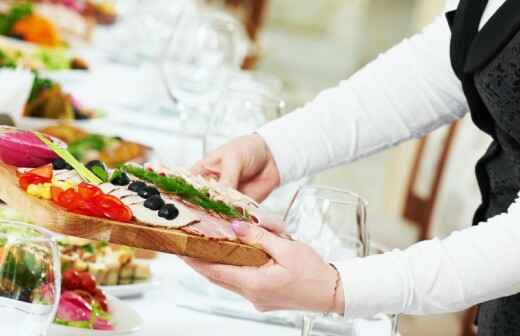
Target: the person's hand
(245, 164)
(296, 277)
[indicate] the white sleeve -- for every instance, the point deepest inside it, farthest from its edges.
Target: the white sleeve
(438, 276)
(405, 93)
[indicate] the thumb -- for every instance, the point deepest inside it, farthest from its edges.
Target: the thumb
(255, 235)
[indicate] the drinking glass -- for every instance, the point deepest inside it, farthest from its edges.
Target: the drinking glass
(30, 279)
(199, 58)
(239, 113)
(333, 222)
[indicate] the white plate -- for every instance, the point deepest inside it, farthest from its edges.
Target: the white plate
(124, 291)
(125, 319)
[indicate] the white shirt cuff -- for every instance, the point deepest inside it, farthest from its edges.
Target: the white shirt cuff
(371, 285)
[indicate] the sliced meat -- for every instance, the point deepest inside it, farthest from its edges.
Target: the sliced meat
(121, 192)
(132, 199)
(211, 226)
(150, 217)
(107, 188)
(67, 175)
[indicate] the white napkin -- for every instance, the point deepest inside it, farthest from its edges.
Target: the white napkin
(15, 88)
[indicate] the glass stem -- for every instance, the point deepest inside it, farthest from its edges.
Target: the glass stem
(308, 323)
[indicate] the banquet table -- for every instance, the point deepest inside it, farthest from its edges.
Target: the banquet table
(163, 316)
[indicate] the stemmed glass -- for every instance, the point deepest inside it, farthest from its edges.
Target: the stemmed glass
(333, 222)
(30, 279)
(201, 54)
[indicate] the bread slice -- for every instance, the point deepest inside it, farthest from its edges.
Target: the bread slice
(49, 215)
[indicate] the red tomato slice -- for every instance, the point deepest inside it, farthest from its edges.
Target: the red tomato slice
(88, 191)
(69, 199)
(113, 208)
(27, 179)
(43, 171)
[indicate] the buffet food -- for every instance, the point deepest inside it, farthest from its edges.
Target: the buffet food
(25, 271)
(82, 303)
(42, 24)
(143, 206)
(48, 100)
(103, 11)
(14, 54)
(108, 265)
(85, 146)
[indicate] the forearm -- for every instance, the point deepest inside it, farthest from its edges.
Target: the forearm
(438, 276)
(403, 94)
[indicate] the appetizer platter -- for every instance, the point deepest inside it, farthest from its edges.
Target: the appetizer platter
(109, 266)
(85, 146)
(141, 206)
(48, 100)
(14, 53)
(84, 309)
(43, 24)
(124, 319)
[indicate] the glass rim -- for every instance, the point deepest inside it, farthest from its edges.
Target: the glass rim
(46, 234)
(334, 190)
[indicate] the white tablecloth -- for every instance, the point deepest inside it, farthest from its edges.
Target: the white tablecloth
(162, 316)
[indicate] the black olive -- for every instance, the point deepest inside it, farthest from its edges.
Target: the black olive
(154, 202)
(136, 186)
(169, 212)
(95, 163)
(121, 180)
(59, 164)
(147, 192)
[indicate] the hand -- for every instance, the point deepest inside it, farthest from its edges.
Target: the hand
(245, 164)
(296, 277)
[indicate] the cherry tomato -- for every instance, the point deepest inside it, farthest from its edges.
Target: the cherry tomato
(27, 179)
(113, 208)
(55, 193)
(43, 171)
(71, 280)
(88, 191)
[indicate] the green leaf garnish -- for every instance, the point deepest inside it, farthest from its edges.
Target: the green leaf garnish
(89, 248)
(86, 174)
(179, 186)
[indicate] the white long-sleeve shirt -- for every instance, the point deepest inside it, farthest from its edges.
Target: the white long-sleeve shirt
(405, 93)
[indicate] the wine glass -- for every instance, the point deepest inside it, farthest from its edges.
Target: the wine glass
(30, 279)
(333, 222)
(198, 60)
(239, 113)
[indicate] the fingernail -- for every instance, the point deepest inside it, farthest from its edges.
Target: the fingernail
(240, 228)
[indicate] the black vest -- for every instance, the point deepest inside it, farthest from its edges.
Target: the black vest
(488, 64)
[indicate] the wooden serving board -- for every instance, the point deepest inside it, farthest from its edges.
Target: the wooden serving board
(47, 214)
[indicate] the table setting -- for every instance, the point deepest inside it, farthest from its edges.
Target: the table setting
(163, 85)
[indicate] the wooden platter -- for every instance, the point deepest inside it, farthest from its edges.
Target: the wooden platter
(47, 214)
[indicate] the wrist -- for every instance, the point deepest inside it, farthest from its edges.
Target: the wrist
(336, 299)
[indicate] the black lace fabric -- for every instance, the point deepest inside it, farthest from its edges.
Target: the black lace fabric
(498, 85)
